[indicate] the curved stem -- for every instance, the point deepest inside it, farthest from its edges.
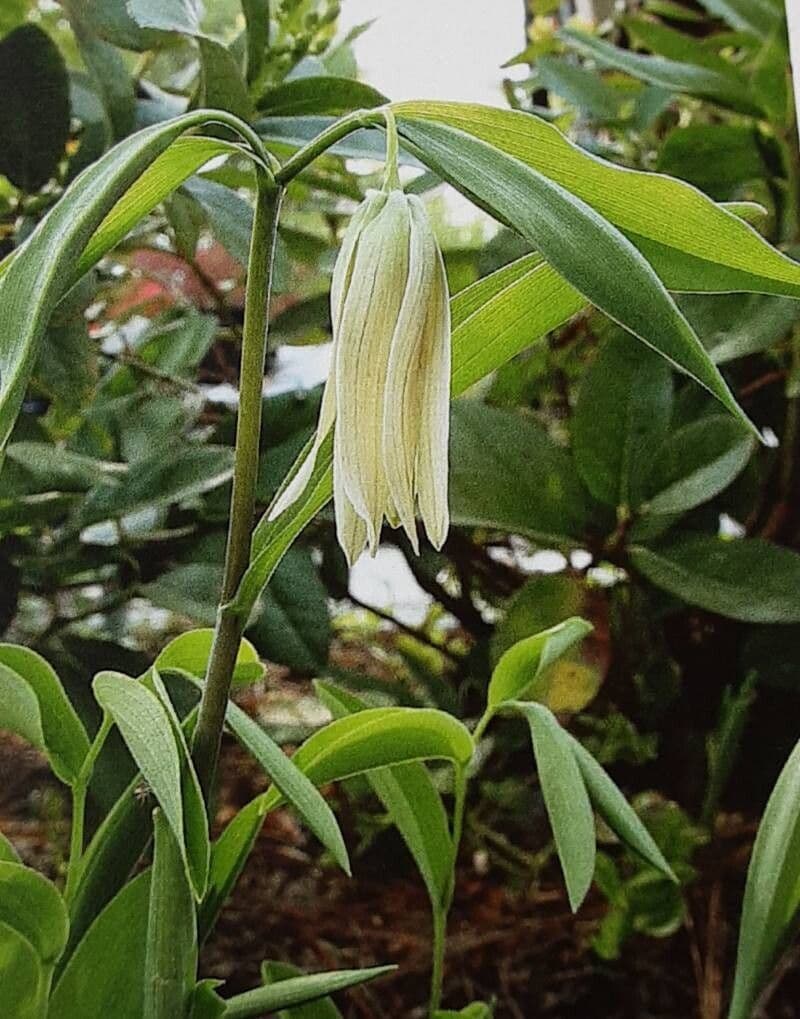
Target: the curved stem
(230, 625)
(325, 139)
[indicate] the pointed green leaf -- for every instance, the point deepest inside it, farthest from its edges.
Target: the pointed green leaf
(696, 463)
(324, 1008)
(748, 579)
(292, 783)
(298, 991)
(693, 244)
(521, 667)
(772, 893)
(615, 810)
(411, 800)
(565, 798)
(623, 411)
(147, 730)
(587, 250)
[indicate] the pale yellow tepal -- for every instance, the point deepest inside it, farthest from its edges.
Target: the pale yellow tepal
(388, 393)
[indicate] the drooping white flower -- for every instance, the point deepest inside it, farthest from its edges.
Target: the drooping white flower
(387, 396)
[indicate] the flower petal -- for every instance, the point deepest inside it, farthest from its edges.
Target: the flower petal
(343, 269)
(435, 417)
(363, 343)
(404, 384)
(351, 531)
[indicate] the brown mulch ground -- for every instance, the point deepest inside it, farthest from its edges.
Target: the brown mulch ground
(521, 948)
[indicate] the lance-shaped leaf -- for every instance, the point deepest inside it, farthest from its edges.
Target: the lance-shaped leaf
(772, 893)
(521, 667)
(147, 729)
(412, 801)
(565, 798)
(587, 250)
(40, 273)
(375, 738)
(692, 243)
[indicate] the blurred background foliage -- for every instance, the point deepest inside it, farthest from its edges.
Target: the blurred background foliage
(587, 478)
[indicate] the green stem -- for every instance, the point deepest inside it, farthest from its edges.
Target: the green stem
(230, 625)
(391, 174)
(340, 129)
(80, 789)
(441, 911)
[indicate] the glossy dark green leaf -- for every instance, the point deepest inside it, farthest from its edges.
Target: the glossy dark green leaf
(318, 95)
(34, 115)
(772, 893)
(748, 579)
(696, 463)
(229, 216)
(223, 84)
(293, 627)
(64, 736)
(181, 16)
(623, 411)
(171, 957)
(735, 325)
(106, 66)
(191, 590)
(507, 474)
(165, 477)
(522, 666)
(48, 468)
(411, 800)
(105, 975)
(714, 157)
(565, 798)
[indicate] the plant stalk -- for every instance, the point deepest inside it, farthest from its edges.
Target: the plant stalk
(441, 911)
(325, 139)
(80, 789)
(230, 625)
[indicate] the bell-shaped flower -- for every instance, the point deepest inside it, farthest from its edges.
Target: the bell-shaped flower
(388, 393)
